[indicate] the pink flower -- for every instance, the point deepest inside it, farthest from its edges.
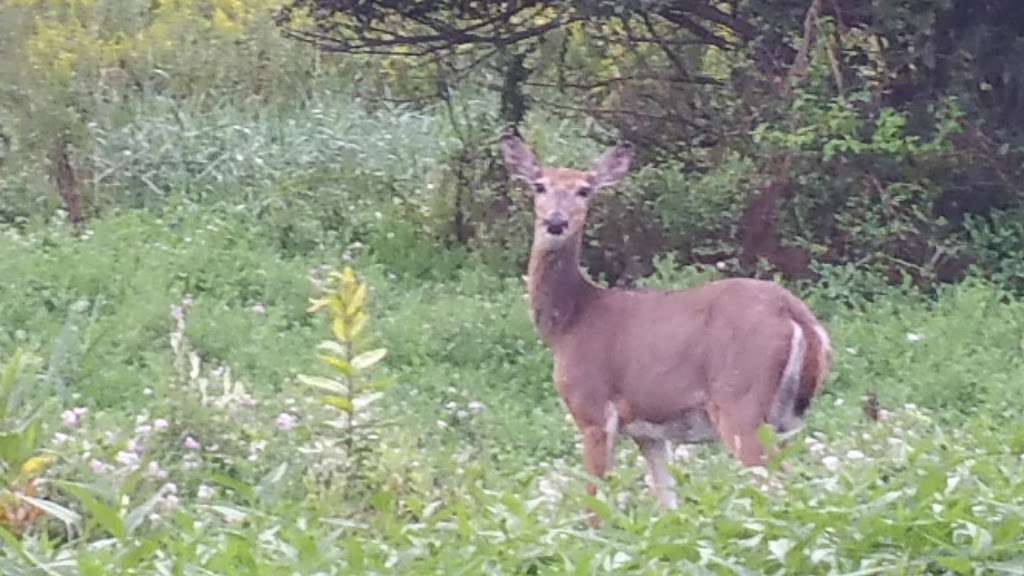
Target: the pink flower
(160, 424)
(72, 418)
(286, 421)
(129, 459)
(99, 467)
(192, 444)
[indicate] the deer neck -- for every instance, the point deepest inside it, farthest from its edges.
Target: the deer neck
(558, 290)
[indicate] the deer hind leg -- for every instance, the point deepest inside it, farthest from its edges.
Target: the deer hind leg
(737, 427)
(658, 457)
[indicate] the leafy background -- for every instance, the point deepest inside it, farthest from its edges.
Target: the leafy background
(179, 179)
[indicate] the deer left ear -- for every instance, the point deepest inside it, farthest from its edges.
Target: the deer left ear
(520, 161)
(612, 166)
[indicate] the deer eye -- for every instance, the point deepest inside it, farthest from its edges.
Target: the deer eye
(584, 191)
(540, 188)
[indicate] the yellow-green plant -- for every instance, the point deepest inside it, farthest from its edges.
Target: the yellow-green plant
(21, 459)
(349, 389)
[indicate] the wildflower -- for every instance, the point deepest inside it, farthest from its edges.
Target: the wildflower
(912, 337)
(476, 407)
(127, 458)
(99, 467)
(206, 492)
(155, 471)
(286, 421)
(855, 455)
(60, 438)
(259, 308)
(831, 463)
(169, 502)
(192, 444)
(73, 418)
(160, 424)
(192, 462)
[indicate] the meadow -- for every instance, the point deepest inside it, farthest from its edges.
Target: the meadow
(175, 401)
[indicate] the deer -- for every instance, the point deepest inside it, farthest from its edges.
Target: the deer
(711, 363)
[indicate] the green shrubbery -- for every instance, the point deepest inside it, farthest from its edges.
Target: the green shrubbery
(478, 467)
(156, 419)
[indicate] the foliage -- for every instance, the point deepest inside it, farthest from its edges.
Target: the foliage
(23, 459)
(156, 418)
(481, 472)
(350, 391)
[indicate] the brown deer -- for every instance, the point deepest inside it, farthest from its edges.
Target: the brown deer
(713, 362)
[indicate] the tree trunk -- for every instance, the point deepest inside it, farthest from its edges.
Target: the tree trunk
(67, 183)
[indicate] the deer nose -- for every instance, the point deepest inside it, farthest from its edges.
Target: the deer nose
(556, 225)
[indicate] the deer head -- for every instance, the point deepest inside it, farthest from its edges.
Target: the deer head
(562, 196)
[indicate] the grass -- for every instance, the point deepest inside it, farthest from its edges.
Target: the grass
(476, 468)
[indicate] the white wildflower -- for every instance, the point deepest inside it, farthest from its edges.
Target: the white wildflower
(286, 421)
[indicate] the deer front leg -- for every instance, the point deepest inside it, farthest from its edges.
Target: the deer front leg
(598, 445)
(663, 484)
(599, 450)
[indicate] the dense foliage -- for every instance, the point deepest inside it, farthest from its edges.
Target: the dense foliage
(210, 231)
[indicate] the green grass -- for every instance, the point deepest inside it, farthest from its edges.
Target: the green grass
(477, 469)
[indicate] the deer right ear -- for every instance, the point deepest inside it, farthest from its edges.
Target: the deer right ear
(520, 161)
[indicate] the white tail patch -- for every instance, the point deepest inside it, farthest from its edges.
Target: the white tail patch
(782, 415)
(826, 343)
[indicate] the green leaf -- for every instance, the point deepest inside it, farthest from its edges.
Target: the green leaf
(271, 480)
(241, 488)
(332, 347)
(368, 359)
(101, 512)
(340, 402)
(341, 330)
(358, 323)
(18, 445)
(137, 515)
(958, 564)
(230, 513)
(8, 378)
(381, 384)
(766, 435)
(137, 555)
(324, 384)
(67, 516)
(339, 364)
(932, 482)
(599, 507)
(14, 543)
(355, 303)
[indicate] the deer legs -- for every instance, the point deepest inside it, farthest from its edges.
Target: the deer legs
(598, 456)
(663, 484)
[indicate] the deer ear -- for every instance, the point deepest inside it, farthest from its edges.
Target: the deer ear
(520, 161)
(612, 165)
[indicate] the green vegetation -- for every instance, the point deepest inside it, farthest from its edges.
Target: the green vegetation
(171, 403)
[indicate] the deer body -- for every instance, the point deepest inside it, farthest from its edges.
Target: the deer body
(713, 362)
